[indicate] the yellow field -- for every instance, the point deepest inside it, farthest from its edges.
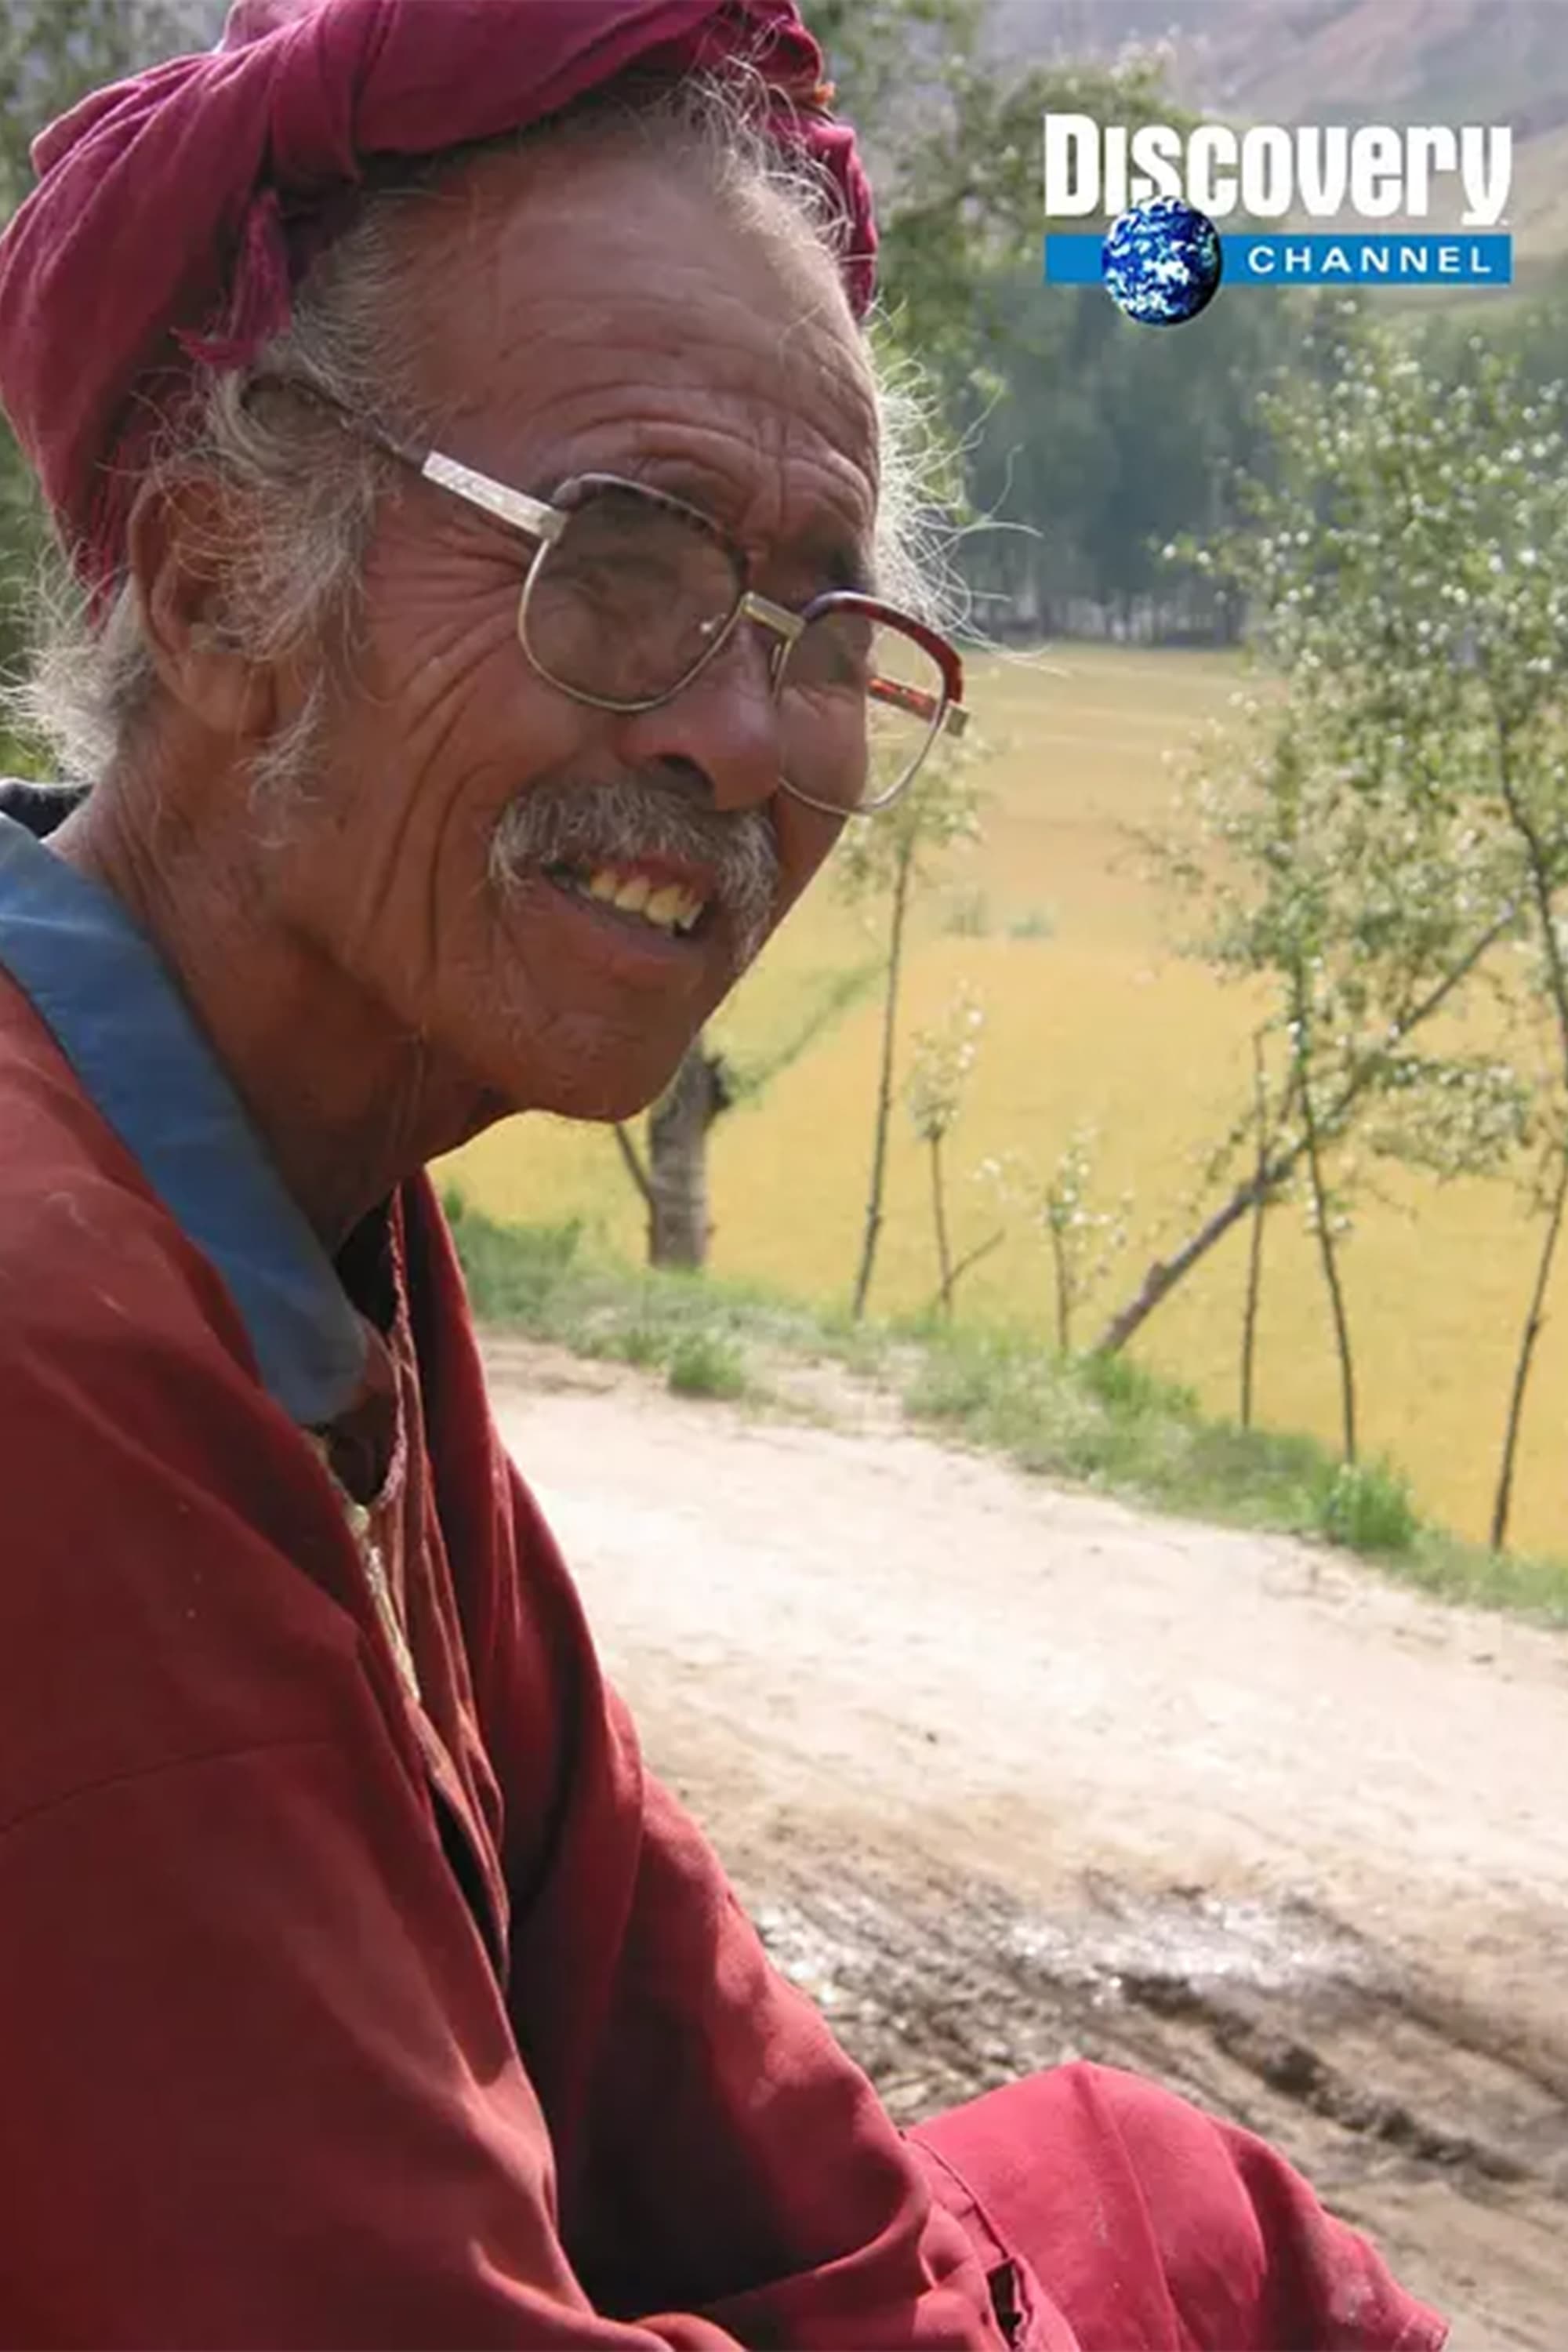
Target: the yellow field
(1099, 1021)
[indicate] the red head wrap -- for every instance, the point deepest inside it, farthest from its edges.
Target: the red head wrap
(176, 211)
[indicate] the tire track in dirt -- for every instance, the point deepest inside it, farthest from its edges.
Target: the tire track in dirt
(1457, 2163)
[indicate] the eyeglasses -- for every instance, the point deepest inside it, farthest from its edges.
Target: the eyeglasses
(632, 593)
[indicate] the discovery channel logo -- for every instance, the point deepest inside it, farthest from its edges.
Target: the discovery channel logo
(1163, 190)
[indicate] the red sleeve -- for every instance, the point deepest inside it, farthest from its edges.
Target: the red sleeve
(715, 2147)
(257, 2085)
(1154, 2227)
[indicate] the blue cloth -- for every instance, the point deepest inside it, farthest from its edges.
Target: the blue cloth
(141, 1057)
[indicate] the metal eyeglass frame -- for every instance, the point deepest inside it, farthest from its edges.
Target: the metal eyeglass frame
(545, 522)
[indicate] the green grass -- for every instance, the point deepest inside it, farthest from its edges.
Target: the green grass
(705, 1364)
(558, 1282)
(1368, 1508)
(1101, 1423)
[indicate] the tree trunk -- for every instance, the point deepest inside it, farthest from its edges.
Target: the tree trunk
(939, 1213)
(1543, 884)
(1502, 1502)
(678, 1227)
(1255, 1253)
(1327, 1252)
(884, 1081)
(944, 1298)
(632, 1159)
(1312, 1139)
(1064, 1291)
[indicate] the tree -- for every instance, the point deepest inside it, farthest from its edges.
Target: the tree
(953, 141)
(670, 1172)
(1111, 442)
(952, 136)
(673, 1182)
(1442, 614)
(1095, 436)
(894, 852)
(1082, 1234)
(1394, 844)
(1101, 441)
(942, 1065)
(1354, 920)
(1269, 1120)
(51, 53)
(1549, 1199)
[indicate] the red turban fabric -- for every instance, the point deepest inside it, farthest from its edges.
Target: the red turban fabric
(176, 211)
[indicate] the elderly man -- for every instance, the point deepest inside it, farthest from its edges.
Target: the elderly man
(456, 412)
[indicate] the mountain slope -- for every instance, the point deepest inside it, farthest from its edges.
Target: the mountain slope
(1397, 62)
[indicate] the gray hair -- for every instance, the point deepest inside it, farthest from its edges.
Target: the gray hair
(307, 492)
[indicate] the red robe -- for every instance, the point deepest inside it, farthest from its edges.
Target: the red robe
(332, 2017)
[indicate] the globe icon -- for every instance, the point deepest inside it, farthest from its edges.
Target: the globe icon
(1161, 262)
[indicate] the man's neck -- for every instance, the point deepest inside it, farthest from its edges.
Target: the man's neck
(345, 1105)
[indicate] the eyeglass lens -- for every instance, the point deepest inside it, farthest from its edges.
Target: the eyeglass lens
(624, 606)
(629, 598)
(859, 702)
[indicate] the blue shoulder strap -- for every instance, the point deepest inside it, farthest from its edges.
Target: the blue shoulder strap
(141, 1057)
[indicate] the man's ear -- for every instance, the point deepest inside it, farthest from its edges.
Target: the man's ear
(177, 539)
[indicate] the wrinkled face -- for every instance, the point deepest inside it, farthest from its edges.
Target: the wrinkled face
(589, 314)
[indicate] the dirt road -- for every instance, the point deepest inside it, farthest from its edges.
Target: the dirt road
(1008, 1775)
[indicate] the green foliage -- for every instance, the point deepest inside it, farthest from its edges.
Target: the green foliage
(895, 852)
(1083, 1235)
(941, 1064)
(643, 1345)
(51, 53)
(939, 1071)
(1122, 1382)
(1109, 1423)
(1396, 809)
(556, 1283)
(1366, 1506)
(1089, 441)
(1108, 442)
(904, 844)
(1531, 332)
(954, 140)
(1354, 904)
(703, 1364)
(513, 1273)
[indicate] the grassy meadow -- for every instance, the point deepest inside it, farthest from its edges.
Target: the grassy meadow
(1090, 1017)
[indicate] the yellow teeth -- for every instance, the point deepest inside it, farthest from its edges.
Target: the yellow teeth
(670, 907)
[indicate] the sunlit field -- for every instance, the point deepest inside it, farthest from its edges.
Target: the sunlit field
(1091, 1017)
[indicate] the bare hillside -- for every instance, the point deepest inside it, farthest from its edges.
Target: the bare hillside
(1399, 61)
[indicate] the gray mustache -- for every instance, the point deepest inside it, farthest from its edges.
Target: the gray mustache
(614, 823)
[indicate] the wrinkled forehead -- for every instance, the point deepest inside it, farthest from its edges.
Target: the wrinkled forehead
(605, 309)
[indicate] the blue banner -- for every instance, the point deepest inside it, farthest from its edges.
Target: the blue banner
(1281, 258)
